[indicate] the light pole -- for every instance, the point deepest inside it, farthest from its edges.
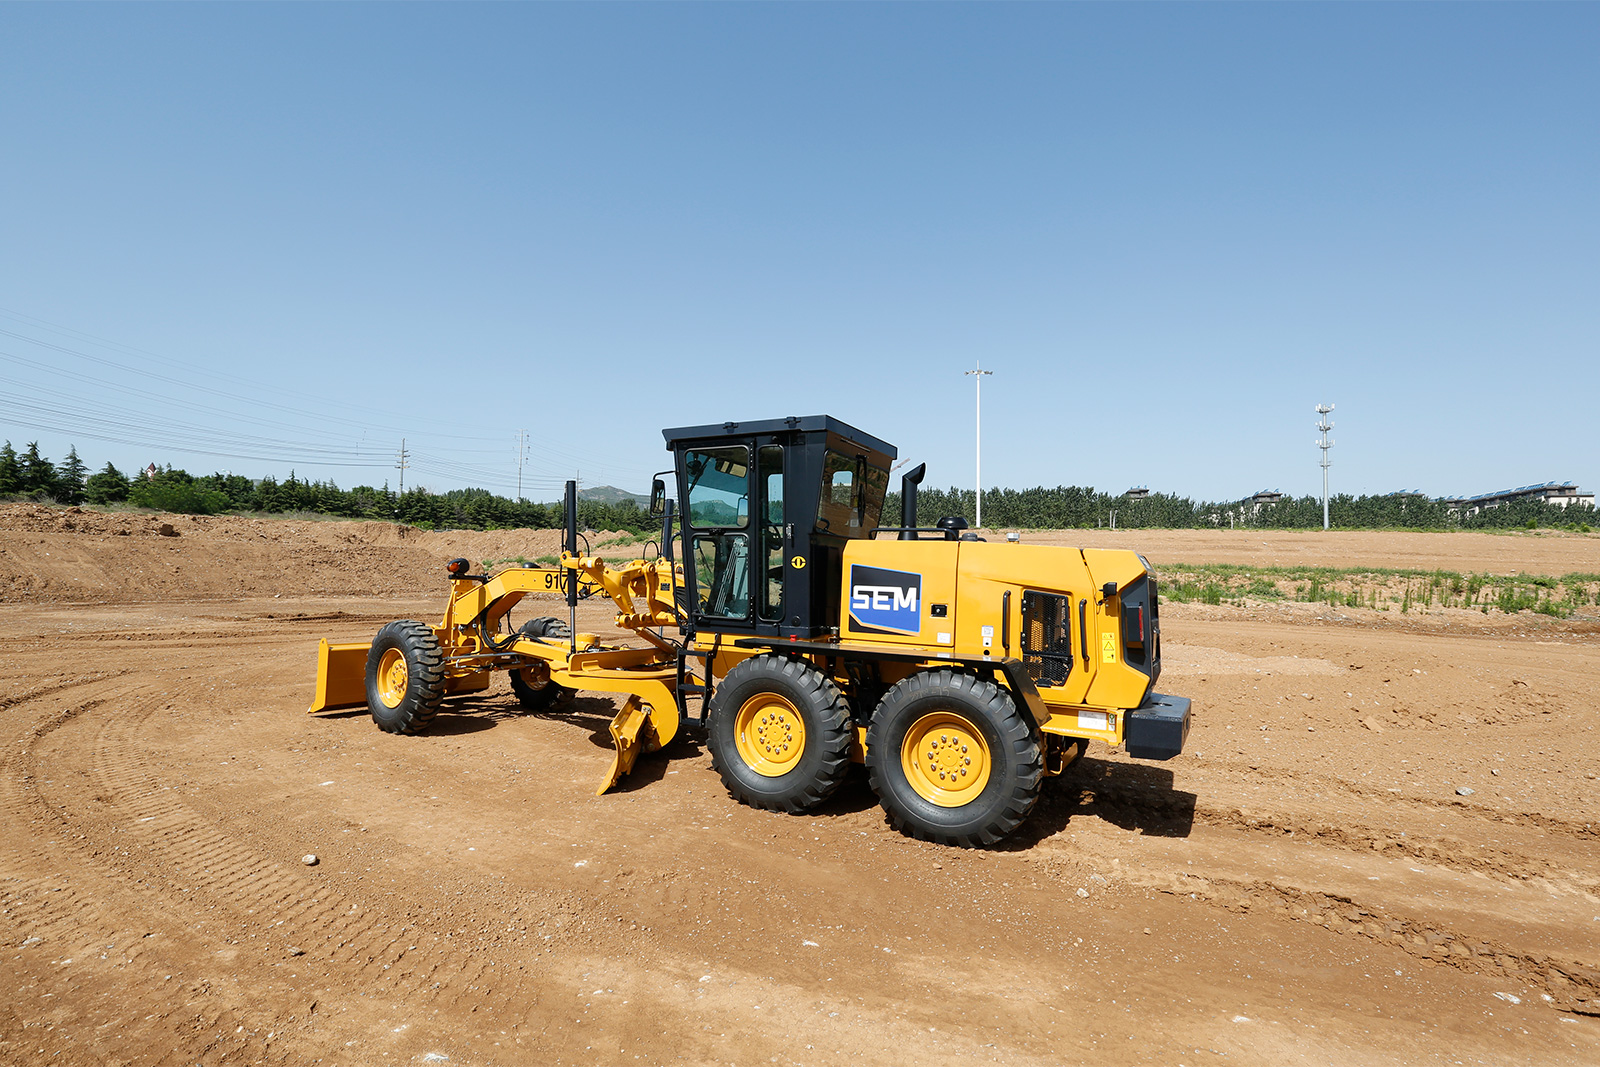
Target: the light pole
(977, 427)
(1324, 425)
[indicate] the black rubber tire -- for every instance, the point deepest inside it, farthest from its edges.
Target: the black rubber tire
(424, 686)
(825, 760)
(541, 697)
(1016, 761)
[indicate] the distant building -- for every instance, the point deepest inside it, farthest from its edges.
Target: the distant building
(1138, 492)
(1248, 508)
(150, 472)
(1415, 494)
(1562, 494)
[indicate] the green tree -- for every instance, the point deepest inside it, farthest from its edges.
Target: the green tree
(418, 506)
(239, 490)
(109, 486)
(268, 496)
(176, 490)
(71, 478)
(39, 476)
(10, 471)
(369, 503)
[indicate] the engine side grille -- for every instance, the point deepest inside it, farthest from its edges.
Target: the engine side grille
(1046, 639)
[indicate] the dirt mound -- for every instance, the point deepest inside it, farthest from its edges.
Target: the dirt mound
(78, 555)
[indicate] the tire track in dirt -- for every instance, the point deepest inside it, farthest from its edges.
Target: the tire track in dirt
(1452, 853)
(299, 908)
(410, 956)
(59, 686)
(1168, 811)
(60, 909)
(124, 892)
(1567, 984)
(1372, 795)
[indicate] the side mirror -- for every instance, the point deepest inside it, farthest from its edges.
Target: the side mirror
(658, 497)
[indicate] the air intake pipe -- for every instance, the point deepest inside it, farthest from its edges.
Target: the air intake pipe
(908, 500)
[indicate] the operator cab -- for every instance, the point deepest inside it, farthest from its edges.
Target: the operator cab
(766, 509)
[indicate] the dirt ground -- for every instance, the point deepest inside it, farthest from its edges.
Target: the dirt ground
(1310, 882)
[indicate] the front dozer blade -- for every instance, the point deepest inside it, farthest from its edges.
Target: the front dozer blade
(629, 731)
(341, 677)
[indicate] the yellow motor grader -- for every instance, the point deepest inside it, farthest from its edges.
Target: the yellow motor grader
(808, 635)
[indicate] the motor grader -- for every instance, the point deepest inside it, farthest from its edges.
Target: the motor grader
(803, 635)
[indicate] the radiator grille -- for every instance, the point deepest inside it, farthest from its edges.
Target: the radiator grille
(1046, 640)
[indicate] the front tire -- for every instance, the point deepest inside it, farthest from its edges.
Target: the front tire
(405, 677)
(953, 760)
(532, 685)
(779, 734)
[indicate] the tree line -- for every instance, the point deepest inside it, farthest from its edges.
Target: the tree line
(30, 475)
(1076, 507)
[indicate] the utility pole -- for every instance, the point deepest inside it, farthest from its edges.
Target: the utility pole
(1324, 425)
(401, 463)
(977, 427)
(522, 455)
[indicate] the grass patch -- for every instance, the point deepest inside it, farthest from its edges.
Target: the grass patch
(1380, 588)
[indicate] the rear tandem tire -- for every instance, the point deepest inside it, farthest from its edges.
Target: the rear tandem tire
(779, 734)
(942, 722)
(535, 696)
(405, 677)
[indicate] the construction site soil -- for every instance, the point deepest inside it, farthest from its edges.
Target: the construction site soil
(1380, 845)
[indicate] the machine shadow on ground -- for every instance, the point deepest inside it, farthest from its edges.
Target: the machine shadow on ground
(1135, 798)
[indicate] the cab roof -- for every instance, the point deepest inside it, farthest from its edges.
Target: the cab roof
(794, 423)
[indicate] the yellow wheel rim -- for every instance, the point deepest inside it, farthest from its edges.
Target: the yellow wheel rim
(769, 734)
(392, 678)
(946, 759)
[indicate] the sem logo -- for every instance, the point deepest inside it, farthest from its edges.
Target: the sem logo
(885, 600)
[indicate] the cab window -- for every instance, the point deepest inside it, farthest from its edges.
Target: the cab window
(719, 487)
(875, 485)
(722, 574)
(840, 510)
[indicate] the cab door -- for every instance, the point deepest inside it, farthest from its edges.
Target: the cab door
(739, 541)
(717, 528)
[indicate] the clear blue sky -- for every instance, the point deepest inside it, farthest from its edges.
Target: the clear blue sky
(256, 238)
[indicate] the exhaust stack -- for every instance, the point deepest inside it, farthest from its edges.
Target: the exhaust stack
(908, 500)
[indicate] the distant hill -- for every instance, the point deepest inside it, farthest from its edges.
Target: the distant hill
(610, 494)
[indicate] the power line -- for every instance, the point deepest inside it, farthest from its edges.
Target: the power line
(210, 394)
(91, 421)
